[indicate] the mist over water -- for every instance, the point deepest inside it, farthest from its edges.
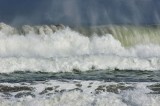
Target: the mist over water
(80, 12)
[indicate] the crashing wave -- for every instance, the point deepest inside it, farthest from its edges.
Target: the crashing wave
(127, 35)
(62, 47)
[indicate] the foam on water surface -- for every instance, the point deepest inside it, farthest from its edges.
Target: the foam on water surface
(76, 92)
(81, 63)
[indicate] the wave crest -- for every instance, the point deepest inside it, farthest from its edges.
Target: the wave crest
(27, 29)
(70, 48)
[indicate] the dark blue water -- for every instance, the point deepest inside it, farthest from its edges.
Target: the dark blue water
(98, 75)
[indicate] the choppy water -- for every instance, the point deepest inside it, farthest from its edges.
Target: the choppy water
(62, 66)
(95, 75)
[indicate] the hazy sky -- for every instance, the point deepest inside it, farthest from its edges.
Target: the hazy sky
(80, 12)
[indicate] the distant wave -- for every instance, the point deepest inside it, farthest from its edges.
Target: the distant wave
(26, 29)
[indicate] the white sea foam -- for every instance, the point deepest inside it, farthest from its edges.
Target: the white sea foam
(138, 96)
(61, 43)
(66, 49)
(82, 63)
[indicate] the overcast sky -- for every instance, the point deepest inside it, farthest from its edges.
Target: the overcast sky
(80, 12)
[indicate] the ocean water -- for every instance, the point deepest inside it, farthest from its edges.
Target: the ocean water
(83, 66)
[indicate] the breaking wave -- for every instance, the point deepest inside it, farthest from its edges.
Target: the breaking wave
(60, 49)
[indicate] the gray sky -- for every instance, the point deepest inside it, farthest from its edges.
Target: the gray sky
(80, 12)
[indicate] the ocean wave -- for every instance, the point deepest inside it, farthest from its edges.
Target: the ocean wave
(66, 49)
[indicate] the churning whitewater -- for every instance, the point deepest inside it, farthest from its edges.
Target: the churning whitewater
(61, 49)
(79, 52)
(61, 66)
